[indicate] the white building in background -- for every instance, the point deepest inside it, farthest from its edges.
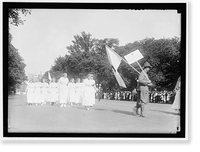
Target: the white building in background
(22, 88)
(32, 76)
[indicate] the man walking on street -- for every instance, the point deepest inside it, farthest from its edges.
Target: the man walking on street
(143, 84)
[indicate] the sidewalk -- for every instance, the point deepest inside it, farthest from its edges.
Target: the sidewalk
(107, 116)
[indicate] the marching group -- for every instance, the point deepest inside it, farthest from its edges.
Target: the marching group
(83, 93)
(64, 91)
(77, 92)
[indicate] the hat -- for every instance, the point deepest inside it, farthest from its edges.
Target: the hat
(64, 74)
(90, 74)
(147, 65)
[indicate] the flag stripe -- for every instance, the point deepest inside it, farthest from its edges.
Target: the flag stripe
(119, 79)
(113, 58)
(115, 61)
(49, 76)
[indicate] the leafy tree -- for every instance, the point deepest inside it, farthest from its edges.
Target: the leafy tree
(14, 15)
(89, 55)
(83, 43)
(16, 73)
(163, 55)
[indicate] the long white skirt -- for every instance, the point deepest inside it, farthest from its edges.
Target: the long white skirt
(44, 95)
(176, 104)
(53, 95)
(79, 97)
(89, 96)
(72, 98)
(37, 96)
(30, 95)
(63, 94)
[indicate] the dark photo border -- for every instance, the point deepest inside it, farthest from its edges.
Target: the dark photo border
(180, 7)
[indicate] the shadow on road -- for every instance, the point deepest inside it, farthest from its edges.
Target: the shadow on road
(100, 109)
(83, 108)
(123, 112)
(166, 112)
(14, 97)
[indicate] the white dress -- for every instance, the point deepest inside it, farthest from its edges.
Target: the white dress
(89, 93)
(37, 93)
(79, 93)
(176, 103)
(30, 92)
(71, 87)
(63, 89)
(44, 92)
(53, 89)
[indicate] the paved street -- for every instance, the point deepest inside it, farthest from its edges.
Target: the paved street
(107, 116)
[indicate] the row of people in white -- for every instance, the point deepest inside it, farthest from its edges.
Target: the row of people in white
(70, 92)
(83, 93)
(39, 93)
(63, 91)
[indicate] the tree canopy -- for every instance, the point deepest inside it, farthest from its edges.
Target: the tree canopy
(16, 72)
(88, 55)
(14, 15)
(164, 56)
(16, 65)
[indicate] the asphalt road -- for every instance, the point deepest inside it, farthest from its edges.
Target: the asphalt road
(106, 116)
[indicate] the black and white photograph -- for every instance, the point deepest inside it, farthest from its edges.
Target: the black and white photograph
(97, 70)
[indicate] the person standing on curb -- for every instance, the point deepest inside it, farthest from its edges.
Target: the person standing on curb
(176, 103)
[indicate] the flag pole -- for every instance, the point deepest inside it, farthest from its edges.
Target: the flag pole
(123, 60)
(142, 70)
(49, 76)
(131, 66)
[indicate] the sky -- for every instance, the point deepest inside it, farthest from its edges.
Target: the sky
(47, 32)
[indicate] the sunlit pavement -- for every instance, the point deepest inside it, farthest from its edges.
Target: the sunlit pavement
(106, 116)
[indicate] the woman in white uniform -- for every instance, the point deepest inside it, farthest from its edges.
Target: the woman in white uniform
(30, 92)
(71, 87)
(79, 91)
(44, 91)
(63, 90)
(53, 91)
(37, 92)
(89, 92)
(176, 103)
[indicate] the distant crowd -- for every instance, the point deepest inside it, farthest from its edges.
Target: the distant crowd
(154, 96)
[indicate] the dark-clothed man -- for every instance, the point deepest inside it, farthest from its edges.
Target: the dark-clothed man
(99, 92)
(134, 93)
(143, 90)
